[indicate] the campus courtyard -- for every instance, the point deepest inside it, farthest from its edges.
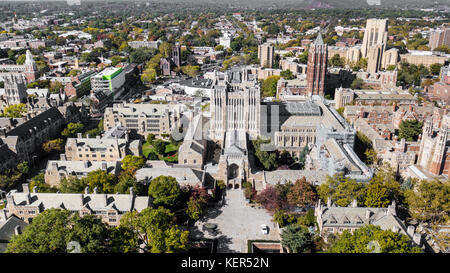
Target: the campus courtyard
(237, 222)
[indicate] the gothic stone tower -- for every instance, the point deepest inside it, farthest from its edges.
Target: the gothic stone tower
(237, 109)
(433, 149)
(317, 67)
(30, 71)
(15, 89)
(176, 55)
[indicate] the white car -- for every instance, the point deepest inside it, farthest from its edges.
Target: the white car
(264, 229)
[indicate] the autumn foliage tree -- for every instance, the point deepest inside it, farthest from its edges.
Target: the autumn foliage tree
(302, 193)
(274, 198)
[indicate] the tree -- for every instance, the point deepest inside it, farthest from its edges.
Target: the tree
(149, 75)
(377, 196)
(72, 129)
(23, 167)
(443, 48)
(359, 242)
(72, 184)
(56, 87)
(274, 197)
(126, 181)
(132, 163)
(435, 69)
(191, 70)
(303, 58)
(14, 111)
(39, 182)
(73, 73)
(102, 180)
(342, 190)
(410, 130)
(357, 84)
(296, 239)
(429, 201)
(21, 59)
(337, 61)
(159, 146)
(156, 229)
(287, 75)
(283, 218)
(150, 138)
(165, 190)
(269, 86)
(53, 145)
(302, 193)
(165, 49)
(308, 219)
(53, 229)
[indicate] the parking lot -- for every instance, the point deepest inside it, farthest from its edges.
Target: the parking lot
(236, 224)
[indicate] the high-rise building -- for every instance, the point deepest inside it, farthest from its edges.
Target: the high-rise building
(439, 37)
(15, 89)
(376, 34)
(266, 54)
(317, 67)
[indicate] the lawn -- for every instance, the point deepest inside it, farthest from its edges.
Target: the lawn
(170, 154)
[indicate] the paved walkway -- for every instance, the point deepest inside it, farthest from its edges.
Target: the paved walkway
(237, 223)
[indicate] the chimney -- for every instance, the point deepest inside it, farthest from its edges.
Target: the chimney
(26, 188)
(54, 165)
(354, 203)
(391, 209)
(104, 166)
(63, 157)
(17, 230)
(411, 231)
(86, 190)
(95, 190)
(329, 202)
(417, 238)
(3, 215)
(10, 200)
(86, 164)
(79, 135)
(131, 198)
(368, 214)
(35, 189)
(2, 132)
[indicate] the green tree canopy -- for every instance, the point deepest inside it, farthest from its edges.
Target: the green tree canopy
(156, 228)
(410, 130)
(358, 242)
(132, 162)
(53, 229)
(14, 111)
(296, 239)
(287, 75)
(72, 129)
(269, 86)
(429, 201)
(53, 145)
(165, 190)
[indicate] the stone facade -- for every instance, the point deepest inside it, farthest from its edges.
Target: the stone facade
(109, 207)
(317, 67)
(144, 119)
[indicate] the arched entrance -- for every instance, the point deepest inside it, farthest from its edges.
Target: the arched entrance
(233, 171)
